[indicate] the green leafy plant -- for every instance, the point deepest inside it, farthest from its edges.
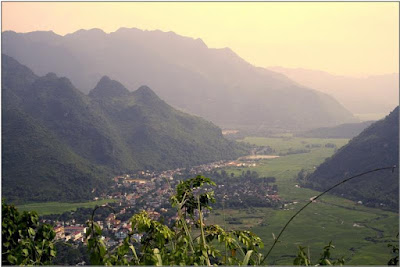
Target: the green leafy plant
(189, 241)
(303, 257)
(395, 251)
(24, 240)
(179, 245)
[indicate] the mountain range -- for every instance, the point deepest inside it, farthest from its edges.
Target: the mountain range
(375, 147)
(347, 130)
(373, 94)
(60, 144)
(215, 84)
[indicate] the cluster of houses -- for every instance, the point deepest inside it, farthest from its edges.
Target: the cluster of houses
(74, 233)
(149, 191)
(246, 193)
(113, 229)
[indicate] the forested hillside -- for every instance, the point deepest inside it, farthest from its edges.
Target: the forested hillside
(60, 144)
(377, 146)
(216, 84)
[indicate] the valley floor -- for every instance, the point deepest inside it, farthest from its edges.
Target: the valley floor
(360, 234)
(46, 208)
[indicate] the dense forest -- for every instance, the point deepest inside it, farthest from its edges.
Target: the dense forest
(376, 147)
(60, 144)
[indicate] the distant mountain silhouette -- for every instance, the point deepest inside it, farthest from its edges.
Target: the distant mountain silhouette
(347, 130)
(212, 83)
(375, 147)
(372, 94)
(60, 144)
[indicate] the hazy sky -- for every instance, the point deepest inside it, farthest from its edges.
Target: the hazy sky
(341, 38)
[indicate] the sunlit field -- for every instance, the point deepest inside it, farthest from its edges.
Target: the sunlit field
(360, 234)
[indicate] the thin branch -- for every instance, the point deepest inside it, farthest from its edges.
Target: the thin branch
(183, 221)
(203, 239)
(318, 196)
(102, 206)
(92, 220)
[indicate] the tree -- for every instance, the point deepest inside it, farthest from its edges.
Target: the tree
(190, 241)
(24, 240)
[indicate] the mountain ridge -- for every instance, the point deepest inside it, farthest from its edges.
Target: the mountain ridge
(82, 140)
(215, 84)
(368, 94)
(108, 88)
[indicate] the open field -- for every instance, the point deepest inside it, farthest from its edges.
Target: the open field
(60, 207)
(284, 143)
(360, 234)
(259, 157)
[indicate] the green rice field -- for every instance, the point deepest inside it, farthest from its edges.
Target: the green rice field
(60, 207)
(360, 234)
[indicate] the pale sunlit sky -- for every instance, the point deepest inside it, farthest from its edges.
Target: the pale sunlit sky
(340, 38)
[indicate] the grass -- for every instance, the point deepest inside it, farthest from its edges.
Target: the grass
(282, 144)
(316, 227)
(47, 208)
(330, 218)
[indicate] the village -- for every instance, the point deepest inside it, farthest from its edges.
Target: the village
(151, 191)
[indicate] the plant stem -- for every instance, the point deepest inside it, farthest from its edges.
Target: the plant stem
(318, 196)
(180, 215)
(203, 239)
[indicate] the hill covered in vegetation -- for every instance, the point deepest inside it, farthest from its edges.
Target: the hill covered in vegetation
(60, 144)
(377, 146)
(215, 84)
(347, 130)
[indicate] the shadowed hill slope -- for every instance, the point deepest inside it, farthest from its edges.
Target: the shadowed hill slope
(347, 130)
(375, 147)
(60, 144)
(215, 84)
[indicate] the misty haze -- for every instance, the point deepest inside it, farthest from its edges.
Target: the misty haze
(200, 134)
